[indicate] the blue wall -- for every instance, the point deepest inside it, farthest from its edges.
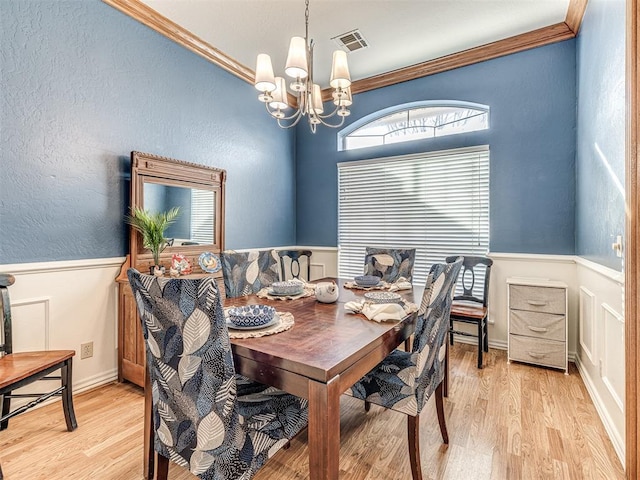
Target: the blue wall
(81, 86)
(532, 140)
(601, 131)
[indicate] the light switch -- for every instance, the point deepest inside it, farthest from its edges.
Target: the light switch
(617, 246)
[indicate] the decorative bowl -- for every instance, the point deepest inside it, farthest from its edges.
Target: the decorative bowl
(290, 287)
(251, 315)
(367, 280)
(382, 297)
(209, 262)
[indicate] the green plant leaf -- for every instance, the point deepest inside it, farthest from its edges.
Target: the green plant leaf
(152, 227)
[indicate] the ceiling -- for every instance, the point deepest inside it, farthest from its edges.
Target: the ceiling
(400, 33)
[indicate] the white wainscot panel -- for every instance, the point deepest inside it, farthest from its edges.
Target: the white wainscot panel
(30, 324)
(613, 353)
(588, 327)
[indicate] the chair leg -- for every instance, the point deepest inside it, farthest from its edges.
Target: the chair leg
(407, 345)
(6, 408)
(450, 331)
(67, 395)
(446, 370)
(413, 432)
(162, 467)
(440, 409)
(367, 406)
(486, 334)
(480, 344)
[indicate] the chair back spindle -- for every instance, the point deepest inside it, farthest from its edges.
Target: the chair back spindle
(294, 267)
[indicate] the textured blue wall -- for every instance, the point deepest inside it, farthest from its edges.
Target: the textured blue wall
(601, 131)
(81, 86)
(532, 140)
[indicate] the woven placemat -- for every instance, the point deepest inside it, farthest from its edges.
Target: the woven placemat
(309, 291)
(285, 323)
(355, 286)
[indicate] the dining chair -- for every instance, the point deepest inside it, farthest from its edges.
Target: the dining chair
(23, 368)
(404, 381)
(390, 263)
(469, 307)
(206, 418)
(246, 273)
(294, 265)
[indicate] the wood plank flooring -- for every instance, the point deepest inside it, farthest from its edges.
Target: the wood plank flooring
(505, 422)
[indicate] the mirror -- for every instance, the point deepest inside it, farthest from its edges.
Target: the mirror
(196, 223)
(159, 184)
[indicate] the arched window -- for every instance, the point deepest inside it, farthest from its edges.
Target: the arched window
(414, 121)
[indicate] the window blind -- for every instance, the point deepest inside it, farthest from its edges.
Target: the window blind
(436, 202)
(202, 216)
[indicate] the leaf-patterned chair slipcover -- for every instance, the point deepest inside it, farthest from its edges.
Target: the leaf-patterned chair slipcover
(404, 381)
(208, 419)
(390, 263)
(248, 272)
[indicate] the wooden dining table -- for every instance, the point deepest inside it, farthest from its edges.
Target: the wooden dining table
(319, 358)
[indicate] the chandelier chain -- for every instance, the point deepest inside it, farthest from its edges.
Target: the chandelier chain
(306, 20)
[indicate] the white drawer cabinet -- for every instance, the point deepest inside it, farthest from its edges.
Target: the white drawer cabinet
(537, 319)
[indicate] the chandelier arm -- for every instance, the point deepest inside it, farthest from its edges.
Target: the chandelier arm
(330, 125)
(291, 125)
(329, 115)
(295, 114)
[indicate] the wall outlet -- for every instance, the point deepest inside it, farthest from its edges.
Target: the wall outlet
(86, 350)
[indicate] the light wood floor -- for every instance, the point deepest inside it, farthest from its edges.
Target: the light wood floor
(505, 422)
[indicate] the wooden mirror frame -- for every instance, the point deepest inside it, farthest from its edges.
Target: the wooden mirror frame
(149, 168)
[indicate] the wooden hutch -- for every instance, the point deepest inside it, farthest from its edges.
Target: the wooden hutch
(158, 184)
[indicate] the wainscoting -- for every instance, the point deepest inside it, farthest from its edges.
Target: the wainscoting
(600, 352)
(60, 305)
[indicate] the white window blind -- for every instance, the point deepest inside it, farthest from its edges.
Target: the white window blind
(436, 202)
(202, 216)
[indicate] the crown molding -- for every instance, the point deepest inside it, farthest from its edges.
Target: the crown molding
(575, 14)
(537, 38)
(161, 24)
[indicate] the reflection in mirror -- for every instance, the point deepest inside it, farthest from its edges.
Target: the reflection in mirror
(196, 223)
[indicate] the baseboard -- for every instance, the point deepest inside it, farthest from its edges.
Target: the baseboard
(614, 435)
(472, 341)
(95, 381)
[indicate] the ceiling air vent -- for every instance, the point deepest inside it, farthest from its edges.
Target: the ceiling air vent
(351, 41)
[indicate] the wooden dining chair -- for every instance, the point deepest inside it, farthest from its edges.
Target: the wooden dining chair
(246, 273)
(390, 263)
(294, 269)
(404, 381)
(469, 307)
(23, 368)
(206, 418)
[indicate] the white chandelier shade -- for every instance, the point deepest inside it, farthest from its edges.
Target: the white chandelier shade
(299, 67)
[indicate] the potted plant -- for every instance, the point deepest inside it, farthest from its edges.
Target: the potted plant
(152, 227)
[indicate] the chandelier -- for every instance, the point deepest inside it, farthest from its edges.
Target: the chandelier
(299, 67)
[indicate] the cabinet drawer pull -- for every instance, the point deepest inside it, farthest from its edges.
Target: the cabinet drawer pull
(537, 329)
(536, 355)
(537, 303)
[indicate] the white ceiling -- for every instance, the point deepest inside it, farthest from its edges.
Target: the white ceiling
(400, 32)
